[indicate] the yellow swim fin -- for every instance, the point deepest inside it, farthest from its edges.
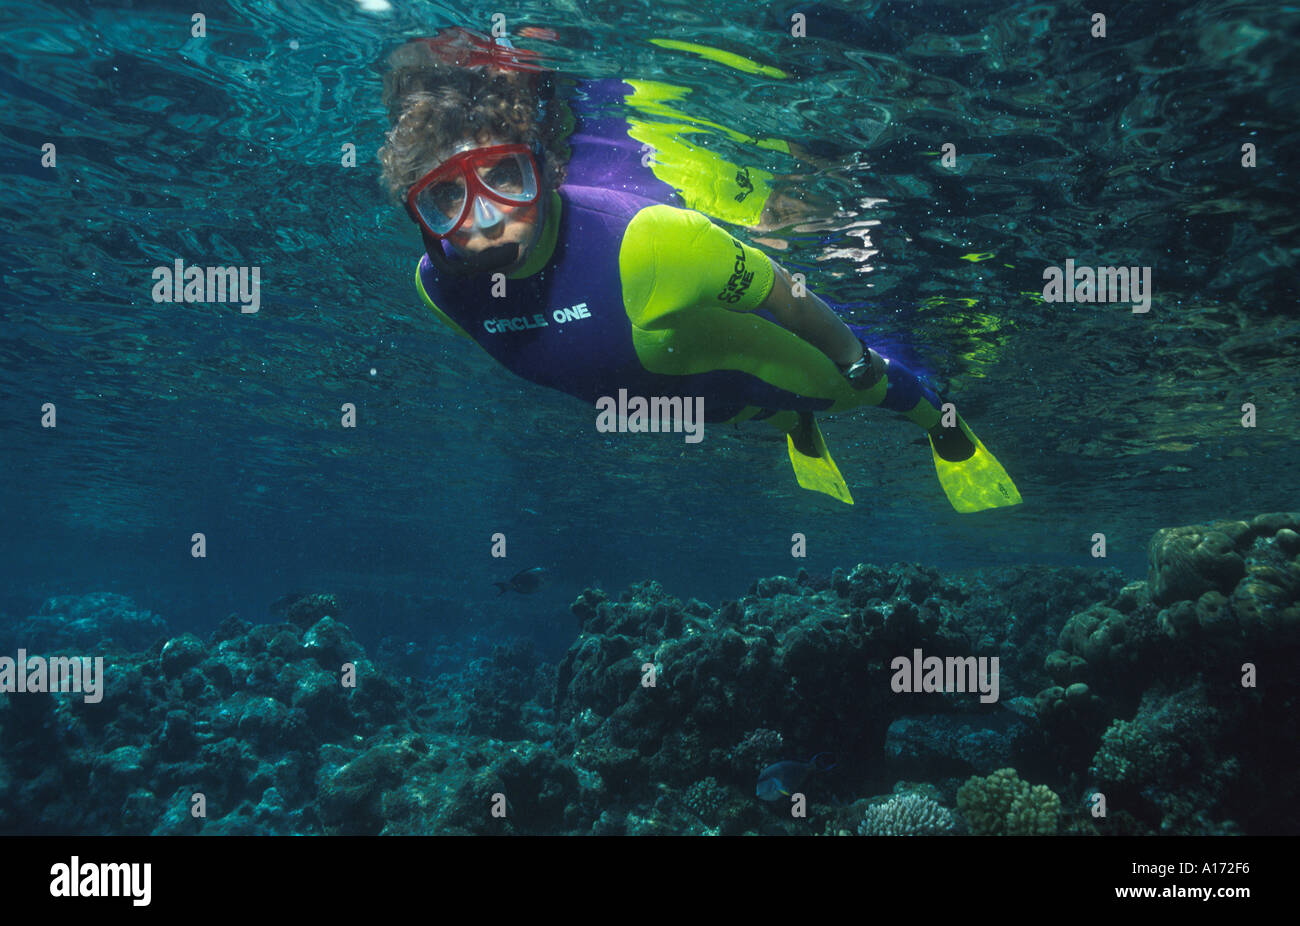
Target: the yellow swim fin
(977, 483)
(812, 462)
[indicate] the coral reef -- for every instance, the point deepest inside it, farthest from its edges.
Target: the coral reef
(1173, 698)
(84, 623)
(1168, 761)
(809, 659)
(907, 815)
(706, 798)
(953, 743)
(1034, 812)
(1213, 592)
(1154, 688)
(1003, 805)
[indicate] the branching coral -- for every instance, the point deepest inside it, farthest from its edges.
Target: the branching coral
(1035, 812)
(907, 815)
(1004, 805)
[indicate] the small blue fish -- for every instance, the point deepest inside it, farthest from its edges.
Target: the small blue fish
(784, 778)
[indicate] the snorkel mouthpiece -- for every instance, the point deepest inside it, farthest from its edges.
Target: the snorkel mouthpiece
(495, 257)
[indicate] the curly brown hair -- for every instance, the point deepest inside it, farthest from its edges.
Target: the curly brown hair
(433, 105)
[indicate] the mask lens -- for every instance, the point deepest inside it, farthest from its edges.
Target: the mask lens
(441, 203)
(510, 176)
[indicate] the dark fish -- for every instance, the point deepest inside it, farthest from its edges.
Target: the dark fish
(784, 778)
(525, 583)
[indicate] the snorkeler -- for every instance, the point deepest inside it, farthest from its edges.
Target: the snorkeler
(610, 285)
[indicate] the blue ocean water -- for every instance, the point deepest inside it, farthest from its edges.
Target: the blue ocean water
(227, 149)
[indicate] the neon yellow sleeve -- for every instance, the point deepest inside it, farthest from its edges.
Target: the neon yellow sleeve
(442, 316)
(672, 260)
(678, 270)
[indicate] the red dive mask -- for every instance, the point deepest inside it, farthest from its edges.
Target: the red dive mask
(470, 184)
(469, 48)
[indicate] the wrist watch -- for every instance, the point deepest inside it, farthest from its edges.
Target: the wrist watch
(866, 371)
